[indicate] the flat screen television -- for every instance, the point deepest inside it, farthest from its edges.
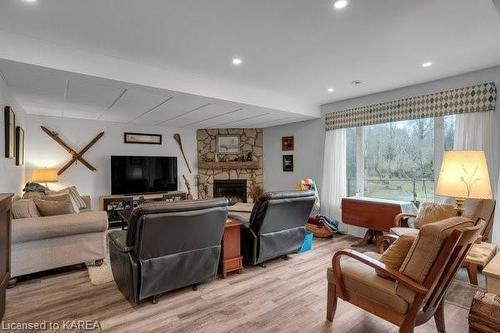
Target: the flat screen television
(143, 174)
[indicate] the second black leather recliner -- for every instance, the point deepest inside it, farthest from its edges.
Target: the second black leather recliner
(276, 226)
(167, 246)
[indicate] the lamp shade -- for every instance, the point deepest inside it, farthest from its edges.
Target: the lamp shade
(464, 174)
(45, 175)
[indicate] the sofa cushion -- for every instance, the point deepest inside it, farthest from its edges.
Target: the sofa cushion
(73, 192)
(363, 280)
(397, 252)
(60, 206)
(63, 197)
(24, 208)
(33, 195)
(426, 248)
(29, 229)
(430, 212)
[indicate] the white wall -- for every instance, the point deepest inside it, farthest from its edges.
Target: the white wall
(42, 151)
(308, 154)
(11, 176)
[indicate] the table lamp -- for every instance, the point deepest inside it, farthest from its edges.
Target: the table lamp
(45, 175)
(464, 175)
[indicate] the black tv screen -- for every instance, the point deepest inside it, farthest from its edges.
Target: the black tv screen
(143, 174)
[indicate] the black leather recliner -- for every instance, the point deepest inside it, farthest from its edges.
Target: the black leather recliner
(276, 226)
(167, 246)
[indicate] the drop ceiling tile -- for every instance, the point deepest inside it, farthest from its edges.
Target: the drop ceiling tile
(178, 105)
(91, 95)
(135, 102)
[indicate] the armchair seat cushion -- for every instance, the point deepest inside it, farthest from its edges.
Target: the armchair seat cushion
(481, 254)
(36, 228)
(400, 231)
(364, 281)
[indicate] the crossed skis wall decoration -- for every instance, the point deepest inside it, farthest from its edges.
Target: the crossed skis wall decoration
(75, 156)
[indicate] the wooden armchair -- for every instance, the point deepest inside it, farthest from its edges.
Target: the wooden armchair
(411, 296)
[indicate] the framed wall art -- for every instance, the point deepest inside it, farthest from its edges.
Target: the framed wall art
(142, 138)
(287, 143)
(19, 146)
(10, 132)
(288, 163)
(227, 144)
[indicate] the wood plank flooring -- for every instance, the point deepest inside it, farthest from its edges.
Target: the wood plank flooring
(286, 296)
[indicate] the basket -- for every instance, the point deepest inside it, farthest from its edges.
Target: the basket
(319, 230)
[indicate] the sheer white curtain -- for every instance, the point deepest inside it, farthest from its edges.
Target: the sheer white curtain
(334, 183)
(479, 131)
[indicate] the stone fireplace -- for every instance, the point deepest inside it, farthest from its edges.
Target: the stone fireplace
(242, 177)
(235, 190)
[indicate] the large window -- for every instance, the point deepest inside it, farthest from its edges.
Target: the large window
(397, 160)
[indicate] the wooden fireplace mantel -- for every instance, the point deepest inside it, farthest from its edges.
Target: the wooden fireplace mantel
(229, 165)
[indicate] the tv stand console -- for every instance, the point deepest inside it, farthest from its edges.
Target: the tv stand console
(112, 204)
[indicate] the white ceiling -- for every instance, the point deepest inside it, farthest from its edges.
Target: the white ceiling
(50, 92)
(292, 50)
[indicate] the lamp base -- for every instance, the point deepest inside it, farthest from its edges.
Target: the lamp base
(460, 206)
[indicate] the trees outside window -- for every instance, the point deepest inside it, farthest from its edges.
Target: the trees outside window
(398, 158)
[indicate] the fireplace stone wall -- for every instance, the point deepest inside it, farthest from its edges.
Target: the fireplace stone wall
(250, 141)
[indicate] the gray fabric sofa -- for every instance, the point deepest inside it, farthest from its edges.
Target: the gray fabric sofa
(43, 243)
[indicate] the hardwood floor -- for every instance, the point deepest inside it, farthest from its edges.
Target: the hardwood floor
(286, 296)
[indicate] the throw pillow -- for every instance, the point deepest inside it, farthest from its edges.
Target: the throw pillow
(63, 197)
(33, 195)
(430, 212)
(395, 254)
(74, 194)
(53, 207)
(24, 208)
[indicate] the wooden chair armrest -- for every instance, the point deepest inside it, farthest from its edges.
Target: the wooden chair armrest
(400, 217)
(385, 239)
(380, 266)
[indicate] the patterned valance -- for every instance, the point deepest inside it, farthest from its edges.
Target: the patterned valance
(477, 98)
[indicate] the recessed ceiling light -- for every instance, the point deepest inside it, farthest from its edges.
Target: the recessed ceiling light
(30, 1)
(237, 61)
(340, 4)
(357, 82)
(331, 90)
(427, 64)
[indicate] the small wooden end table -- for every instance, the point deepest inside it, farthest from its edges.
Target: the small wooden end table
(231, 259)
(492, 273)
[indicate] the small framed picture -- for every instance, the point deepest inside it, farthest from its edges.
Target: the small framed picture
(228, 144)
(287, 143)
(288, 163)
(19, 146)
(142, 138)
(10, 132)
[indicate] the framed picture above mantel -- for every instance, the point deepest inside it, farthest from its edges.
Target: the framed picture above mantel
(227, 144)
(142, 138)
